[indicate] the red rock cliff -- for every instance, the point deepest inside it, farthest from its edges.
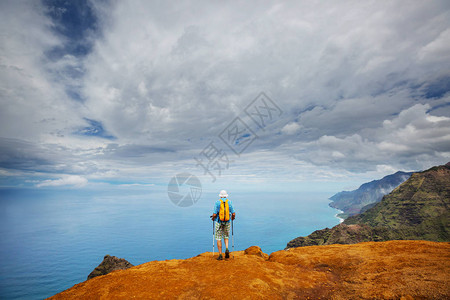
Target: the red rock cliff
(373, 270)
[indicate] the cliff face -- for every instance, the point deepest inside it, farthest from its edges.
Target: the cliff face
(367, 195)
(386, 270)
(418, 209)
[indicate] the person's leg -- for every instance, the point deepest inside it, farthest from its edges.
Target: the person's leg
(227, 252)
(218, 235)
(226, 237)
(226, 234)
(219, 246)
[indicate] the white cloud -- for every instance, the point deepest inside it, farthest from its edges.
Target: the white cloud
(291, 128)
(386, 169)
(413, 134)
(70, 180)
(438, 48)
(351, 78)
(135, 185)
(34, 106)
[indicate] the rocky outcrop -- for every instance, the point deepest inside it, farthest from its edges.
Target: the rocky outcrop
(340, 234)
(109, 264)
(255, 250)
(385, 270)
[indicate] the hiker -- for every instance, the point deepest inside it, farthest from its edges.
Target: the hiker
(221, 215)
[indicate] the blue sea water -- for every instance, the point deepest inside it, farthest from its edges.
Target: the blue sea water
(52, 239)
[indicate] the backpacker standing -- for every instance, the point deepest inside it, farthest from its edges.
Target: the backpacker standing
(222, 215)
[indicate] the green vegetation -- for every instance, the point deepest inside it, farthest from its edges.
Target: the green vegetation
(418, 209)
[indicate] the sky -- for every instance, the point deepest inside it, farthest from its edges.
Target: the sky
(276, 94)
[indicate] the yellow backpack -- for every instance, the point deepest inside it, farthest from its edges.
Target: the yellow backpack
(224, 212)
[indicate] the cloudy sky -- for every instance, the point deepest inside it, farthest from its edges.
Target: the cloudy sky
(97, 93)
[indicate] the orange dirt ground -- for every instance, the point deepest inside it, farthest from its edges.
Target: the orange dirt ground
(373, 270)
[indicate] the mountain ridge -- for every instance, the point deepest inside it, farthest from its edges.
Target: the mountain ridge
(364, 197)
(418, 209)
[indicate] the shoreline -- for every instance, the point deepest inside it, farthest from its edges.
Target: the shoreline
(336, 215)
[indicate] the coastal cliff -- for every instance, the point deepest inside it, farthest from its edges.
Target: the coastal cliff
(418, 209)
(384, 270)
(367, 195)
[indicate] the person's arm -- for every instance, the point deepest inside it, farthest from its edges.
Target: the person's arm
(216, 212)
(233, 213)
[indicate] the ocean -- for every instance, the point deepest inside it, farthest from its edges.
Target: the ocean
(51, 239)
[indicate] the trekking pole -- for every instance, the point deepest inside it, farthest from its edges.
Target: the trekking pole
(213, 237)
(232, 236)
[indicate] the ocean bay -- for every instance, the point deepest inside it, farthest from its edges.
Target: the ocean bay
(52, 239)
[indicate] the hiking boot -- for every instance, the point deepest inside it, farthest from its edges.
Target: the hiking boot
(220, 257)
(227, 253)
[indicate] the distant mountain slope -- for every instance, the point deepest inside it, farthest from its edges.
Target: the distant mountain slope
(361, 199)
(418, 209)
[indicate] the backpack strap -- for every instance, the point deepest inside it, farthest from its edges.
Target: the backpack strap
(220, 209)
(225, 208)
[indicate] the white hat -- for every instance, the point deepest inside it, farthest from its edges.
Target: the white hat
(223, 194)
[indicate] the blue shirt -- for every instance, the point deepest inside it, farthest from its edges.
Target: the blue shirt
(217, 210)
